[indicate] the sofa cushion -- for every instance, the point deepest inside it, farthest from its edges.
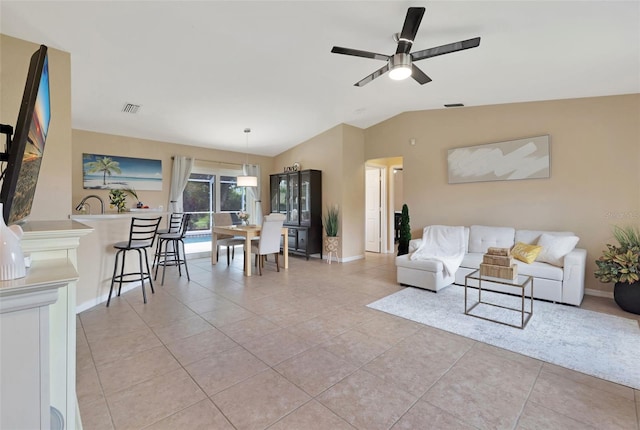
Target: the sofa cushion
(540, 270)
(535, 269)
(532, 236)
(554, 248)
(428, 265)
(525, 252)
(472, 260)
(414, 244)
(482, 237)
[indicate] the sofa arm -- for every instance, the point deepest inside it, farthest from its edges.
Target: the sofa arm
(414, 244)
(574, 269)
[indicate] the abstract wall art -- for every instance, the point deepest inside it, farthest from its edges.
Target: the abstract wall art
(502, 161)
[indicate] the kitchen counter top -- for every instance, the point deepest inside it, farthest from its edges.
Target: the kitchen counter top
(115, 215)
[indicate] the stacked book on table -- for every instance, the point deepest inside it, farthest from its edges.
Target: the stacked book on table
(498, 263)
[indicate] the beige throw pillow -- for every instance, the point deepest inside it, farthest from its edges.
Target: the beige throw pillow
(554, 248)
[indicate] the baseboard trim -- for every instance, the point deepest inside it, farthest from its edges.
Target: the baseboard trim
(598, 293)
(354, 258)
(198, 255)
(103, 298)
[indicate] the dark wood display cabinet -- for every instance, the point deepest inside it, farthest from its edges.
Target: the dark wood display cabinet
(298, 196)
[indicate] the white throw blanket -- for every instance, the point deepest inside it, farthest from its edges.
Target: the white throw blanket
(442, 243)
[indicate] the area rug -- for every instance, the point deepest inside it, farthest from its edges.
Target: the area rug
(593, 343)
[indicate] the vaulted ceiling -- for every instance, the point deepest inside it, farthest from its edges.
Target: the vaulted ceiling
(203, 71)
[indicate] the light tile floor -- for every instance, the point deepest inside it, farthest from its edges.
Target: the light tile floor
(299, 350)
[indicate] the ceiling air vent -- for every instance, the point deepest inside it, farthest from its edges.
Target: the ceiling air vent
(131, 108)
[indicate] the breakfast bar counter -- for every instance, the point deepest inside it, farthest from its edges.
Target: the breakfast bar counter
(96, 255)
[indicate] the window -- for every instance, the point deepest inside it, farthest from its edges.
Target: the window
(198, 199)
(232, 198)
(212, 189)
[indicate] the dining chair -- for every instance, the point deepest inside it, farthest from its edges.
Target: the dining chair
(269, 242)
(142, 234)
(226, 240)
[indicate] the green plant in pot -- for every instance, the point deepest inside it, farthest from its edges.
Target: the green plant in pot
(331, 241)
(405, 231)
(118, 198)
(621, 264)
(331, 221)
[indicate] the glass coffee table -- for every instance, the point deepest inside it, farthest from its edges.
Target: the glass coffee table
(518, 287)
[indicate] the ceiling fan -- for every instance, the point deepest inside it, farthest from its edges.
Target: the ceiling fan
(400, 65)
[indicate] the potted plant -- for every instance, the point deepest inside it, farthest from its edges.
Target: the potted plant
(621, 264)
(244, 217)
(331, 241)
(118, 198)
(405, 231)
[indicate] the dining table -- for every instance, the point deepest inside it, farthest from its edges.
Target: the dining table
(249, 232)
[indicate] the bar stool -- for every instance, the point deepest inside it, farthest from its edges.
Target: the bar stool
(173, 226)
(173, 242)
(141, 236)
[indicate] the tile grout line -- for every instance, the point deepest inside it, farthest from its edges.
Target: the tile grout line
(95, 368)
(175, 358)
(461, 419)
(526, 401)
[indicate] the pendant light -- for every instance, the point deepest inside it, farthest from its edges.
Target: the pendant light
(246, 180)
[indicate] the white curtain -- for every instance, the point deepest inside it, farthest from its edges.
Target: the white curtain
(182, 167)
(254, 205)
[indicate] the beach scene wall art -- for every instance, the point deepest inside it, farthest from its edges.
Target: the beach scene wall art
(502, 161)
(110, 172)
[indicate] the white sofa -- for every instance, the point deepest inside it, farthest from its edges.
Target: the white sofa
(557, 284)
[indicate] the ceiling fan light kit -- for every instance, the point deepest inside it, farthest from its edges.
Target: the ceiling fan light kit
(400, 65)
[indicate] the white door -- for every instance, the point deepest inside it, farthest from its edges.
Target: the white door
(373, 214)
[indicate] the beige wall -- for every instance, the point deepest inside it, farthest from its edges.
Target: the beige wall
(595, 150)
(398, 187)
(352, 184)
(52, 199)
(100, 143)
(339, 153)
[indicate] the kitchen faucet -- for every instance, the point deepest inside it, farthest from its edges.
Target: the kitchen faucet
(82, 203)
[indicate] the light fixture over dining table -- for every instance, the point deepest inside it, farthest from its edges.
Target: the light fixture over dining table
(245, 180)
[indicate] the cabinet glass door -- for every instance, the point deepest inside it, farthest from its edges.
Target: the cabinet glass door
(274, 185)
(305, 198)
(293, 207)
(282, 194)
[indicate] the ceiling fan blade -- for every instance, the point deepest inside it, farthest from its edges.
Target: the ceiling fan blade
(445, 49)
(358, 53)
(381, 71)
(409, 29)
(419, 75)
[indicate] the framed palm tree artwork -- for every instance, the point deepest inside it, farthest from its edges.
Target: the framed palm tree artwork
(110, 172)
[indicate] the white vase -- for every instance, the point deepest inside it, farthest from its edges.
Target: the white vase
(11, 256)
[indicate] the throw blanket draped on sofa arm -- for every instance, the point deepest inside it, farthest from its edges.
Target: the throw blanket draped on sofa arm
(442, 243)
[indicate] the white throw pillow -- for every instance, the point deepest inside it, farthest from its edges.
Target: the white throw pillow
(554, 248)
